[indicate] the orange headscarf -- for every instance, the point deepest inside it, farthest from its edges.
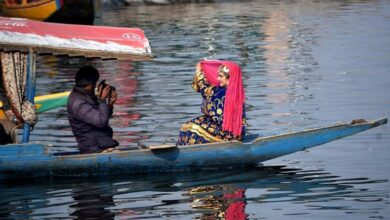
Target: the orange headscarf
(235, 95)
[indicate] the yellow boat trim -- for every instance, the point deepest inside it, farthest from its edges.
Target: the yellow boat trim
(51, 96)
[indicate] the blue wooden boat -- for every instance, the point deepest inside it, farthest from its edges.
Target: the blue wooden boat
(38, 160)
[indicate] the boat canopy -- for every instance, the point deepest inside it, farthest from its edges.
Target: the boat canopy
(21, 39)
(19, 34)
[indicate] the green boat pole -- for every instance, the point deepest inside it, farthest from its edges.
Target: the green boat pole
(30, 90)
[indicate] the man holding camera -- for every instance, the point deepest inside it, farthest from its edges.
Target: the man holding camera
(89, 113)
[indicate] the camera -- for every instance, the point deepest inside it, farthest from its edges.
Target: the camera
(102, 85)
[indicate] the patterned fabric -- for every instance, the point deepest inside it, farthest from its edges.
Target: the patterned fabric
(3, 97)
(13, 81)
(208, 127)
(29, 113)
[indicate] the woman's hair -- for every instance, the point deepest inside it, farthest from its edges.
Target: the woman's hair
(225, 70)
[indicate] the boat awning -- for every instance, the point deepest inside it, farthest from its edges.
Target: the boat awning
(19, 34)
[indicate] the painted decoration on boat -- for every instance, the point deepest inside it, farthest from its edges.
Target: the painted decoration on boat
(89, 41)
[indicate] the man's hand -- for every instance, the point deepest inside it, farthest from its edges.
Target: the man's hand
(113, 98)
(103, 94)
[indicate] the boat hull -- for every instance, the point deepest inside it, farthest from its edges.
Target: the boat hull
(35, 160)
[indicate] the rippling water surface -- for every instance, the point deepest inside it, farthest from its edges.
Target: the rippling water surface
(306, 64)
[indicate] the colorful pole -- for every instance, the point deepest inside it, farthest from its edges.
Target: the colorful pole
(30, 90)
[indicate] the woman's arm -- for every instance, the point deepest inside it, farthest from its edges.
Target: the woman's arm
(201, 84)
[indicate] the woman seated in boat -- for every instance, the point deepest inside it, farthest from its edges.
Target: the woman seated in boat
(223, 119)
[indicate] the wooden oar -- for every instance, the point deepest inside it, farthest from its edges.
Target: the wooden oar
(45, 102)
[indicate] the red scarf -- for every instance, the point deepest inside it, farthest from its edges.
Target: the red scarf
(235, 95)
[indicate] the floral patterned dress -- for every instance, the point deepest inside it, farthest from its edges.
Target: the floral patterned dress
(208, 127)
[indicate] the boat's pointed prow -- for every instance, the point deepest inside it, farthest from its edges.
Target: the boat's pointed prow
(379, 122)
(375, 123)
(279, 145)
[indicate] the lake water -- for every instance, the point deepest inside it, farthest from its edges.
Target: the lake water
(305, 63)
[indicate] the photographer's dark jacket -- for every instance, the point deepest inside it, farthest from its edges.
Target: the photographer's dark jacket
(88, 119)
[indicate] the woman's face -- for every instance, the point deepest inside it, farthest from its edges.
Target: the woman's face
(223, 80)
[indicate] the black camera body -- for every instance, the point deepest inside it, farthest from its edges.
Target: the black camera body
(102, 85)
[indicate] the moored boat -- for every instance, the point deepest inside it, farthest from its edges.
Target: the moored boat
(63, 11)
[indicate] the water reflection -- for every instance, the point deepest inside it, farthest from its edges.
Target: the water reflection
(124, 77)
(203, 195)
(92, 201)
(229, 206)
(276, 44)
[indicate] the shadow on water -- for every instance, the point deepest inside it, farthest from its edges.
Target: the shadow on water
(91, 201)
(199, 195)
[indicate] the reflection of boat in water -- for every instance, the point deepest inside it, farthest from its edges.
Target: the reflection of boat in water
(64, 11)
(92, 201)
(230, 205)
(36, 160)
(141, 196)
